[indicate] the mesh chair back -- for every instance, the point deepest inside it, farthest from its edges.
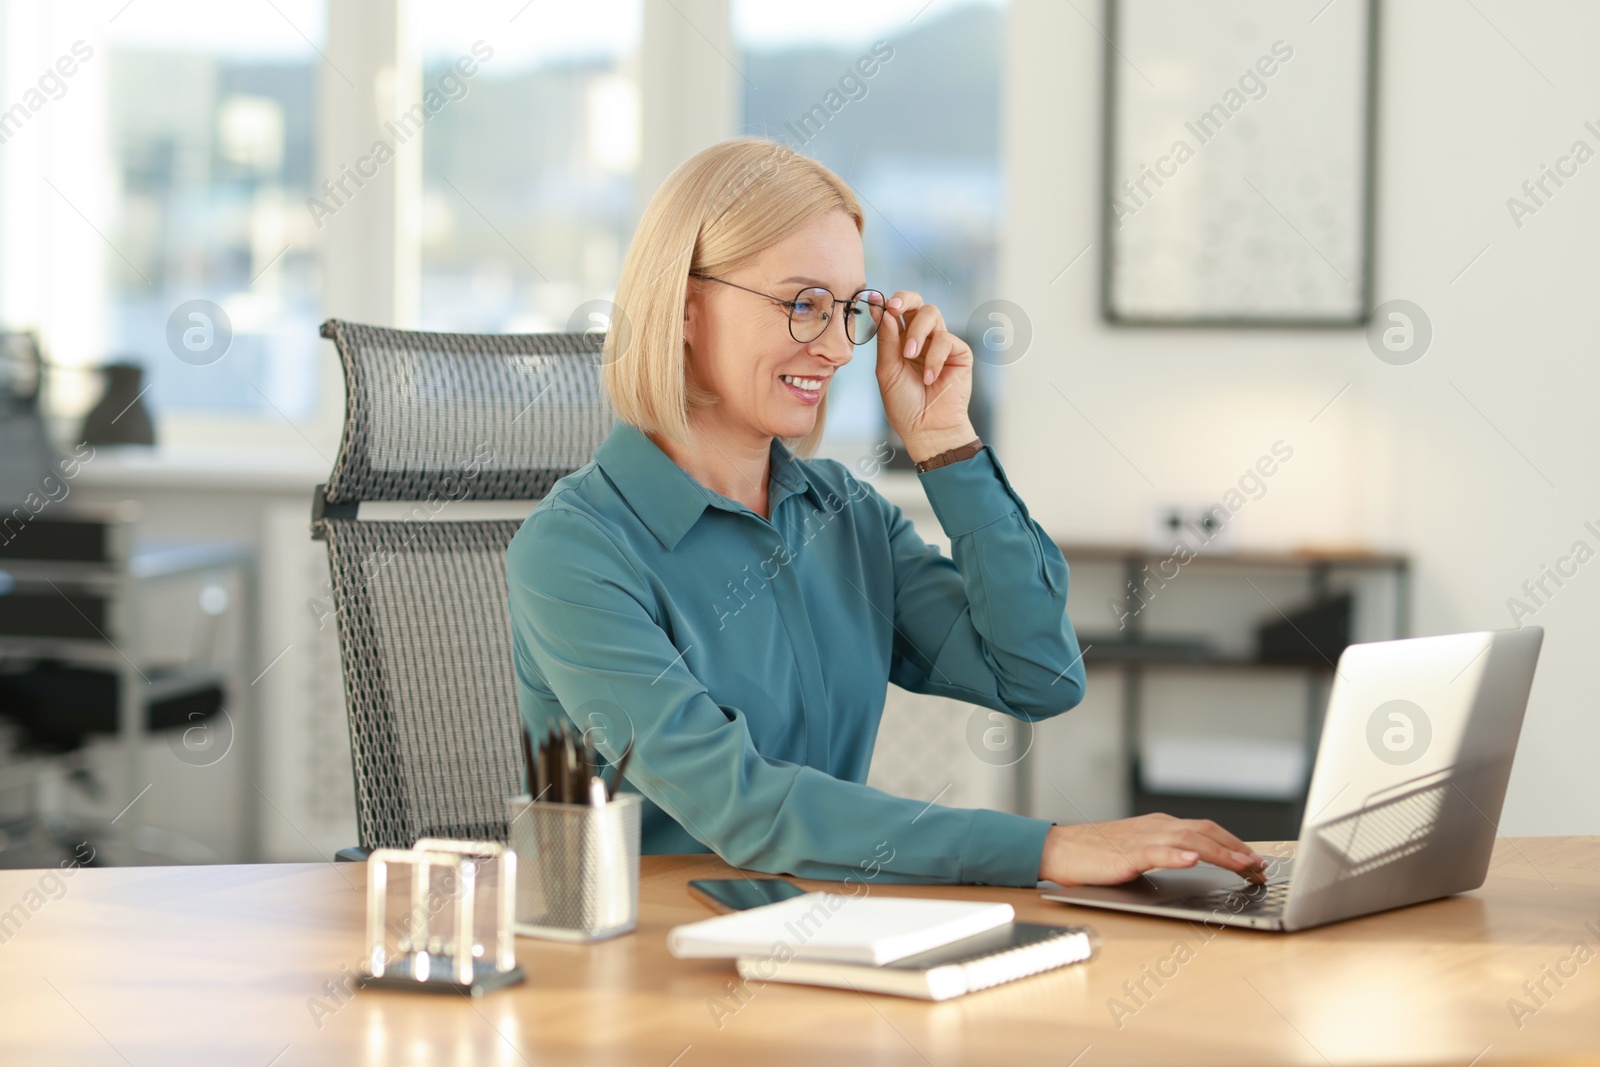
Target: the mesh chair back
(424, 633)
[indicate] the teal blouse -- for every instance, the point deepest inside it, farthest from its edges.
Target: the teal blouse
(750, 659)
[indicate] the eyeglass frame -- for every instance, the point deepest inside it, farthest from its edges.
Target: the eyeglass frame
(793, 304)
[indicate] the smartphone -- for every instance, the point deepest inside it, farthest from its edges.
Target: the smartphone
(738, 894)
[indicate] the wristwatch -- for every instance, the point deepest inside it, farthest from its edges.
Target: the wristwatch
(954, 455)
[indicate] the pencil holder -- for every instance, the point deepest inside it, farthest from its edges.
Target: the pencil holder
(577, 867)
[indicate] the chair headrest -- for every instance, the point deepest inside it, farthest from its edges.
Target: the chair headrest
(453, 416)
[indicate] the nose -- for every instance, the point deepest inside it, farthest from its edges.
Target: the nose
(833, 343)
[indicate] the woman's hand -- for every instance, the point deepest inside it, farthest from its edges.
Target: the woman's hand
(1110, 853)
(925, 375)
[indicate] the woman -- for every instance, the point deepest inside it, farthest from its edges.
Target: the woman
(738, 611)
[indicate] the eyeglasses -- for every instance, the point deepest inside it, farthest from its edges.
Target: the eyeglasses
(811, 310)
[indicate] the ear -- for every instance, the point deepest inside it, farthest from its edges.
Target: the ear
(691, 312)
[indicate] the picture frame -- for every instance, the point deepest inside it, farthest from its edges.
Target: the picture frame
(1238, 163)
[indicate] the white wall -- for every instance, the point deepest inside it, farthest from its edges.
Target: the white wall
(1402, 460)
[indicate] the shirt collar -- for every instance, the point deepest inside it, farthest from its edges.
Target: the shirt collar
(666, 498)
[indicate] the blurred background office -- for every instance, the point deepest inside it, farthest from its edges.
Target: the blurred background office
(1327, 375)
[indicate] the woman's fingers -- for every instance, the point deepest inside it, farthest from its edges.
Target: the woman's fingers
(1206, 839)
(1213, 851)
(909, 301)
(1215, 845)
(940, 345)
(889, 330)
(1168, 856)
(902, 309)
(1111, 853)
(920, 325)
(924, 335)
(1246, 862)
(1217, 833)
(922, 321)
(891, 340)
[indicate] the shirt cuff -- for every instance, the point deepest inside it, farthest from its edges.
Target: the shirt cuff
(1003, 849)
(971, 493)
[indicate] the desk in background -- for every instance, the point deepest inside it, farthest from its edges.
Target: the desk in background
(241, 964)
(79, 591)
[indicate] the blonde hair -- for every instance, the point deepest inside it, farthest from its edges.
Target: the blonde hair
(718, 209)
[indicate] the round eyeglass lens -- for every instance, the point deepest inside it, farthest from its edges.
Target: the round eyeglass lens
(864, 314)
(809, 315)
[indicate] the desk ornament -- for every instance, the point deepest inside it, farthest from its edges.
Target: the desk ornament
(456, 935)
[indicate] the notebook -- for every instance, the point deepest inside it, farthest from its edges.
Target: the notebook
(1004, 954)
(844, 929)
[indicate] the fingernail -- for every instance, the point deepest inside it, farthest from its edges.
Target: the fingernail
(1186, 856)
(895, 302)
(911, 349)
(927, 376)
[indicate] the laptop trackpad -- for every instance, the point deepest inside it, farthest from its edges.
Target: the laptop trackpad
(1158, 886)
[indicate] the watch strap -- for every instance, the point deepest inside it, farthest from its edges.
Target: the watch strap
(954, 455)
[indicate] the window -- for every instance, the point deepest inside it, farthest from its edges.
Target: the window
(211, 112)
(528, 179)
(187, 151)
(918, 139)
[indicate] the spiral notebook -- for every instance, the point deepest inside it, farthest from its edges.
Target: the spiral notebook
(1004, 954)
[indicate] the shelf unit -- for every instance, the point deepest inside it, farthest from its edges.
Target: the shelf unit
(1133, 653)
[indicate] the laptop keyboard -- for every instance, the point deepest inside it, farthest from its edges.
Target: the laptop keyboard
(1255, 899)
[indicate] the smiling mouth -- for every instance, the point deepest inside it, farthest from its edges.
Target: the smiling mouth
(808, 385)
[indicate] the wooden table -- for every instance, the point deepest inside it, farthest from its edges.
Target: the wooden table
(235, 965)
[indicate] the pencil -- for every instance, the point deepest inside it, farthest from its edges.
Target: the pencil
(527, 760)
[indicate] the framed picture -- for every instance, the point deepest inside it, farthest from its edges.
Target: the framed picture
(1238, 162)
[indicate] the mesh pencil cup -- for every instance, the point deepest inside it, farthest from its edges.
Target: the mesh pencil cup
(577, 867)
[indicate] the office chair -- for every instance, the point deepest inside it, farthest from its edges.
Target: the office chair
(58, 709)
(25, 449)
(438, 428)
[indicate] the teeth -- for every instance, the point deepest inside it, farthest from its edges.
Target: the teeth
(810, 385)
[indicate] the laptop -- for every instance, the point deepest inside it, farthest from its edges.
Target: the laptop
(1405, 797)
